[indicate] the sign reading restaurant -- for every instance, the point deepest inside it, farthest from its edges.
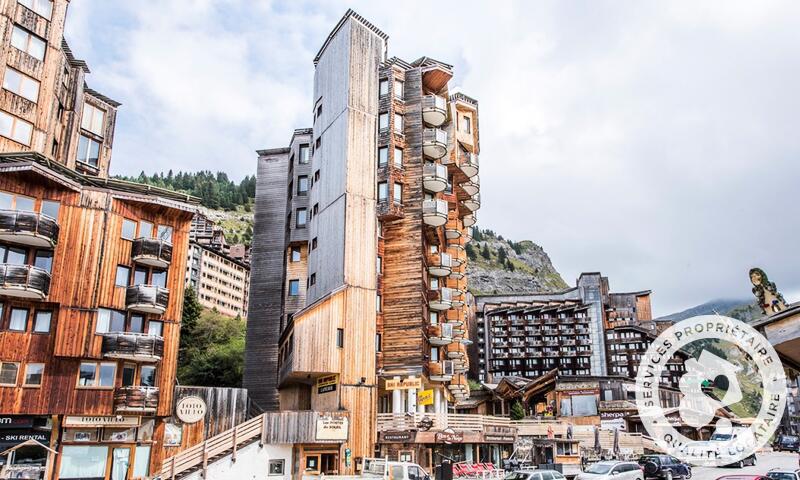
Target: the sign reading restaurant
(98, 421)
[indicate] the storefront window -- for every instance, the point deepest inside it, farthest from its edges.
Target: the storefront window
(579, 406)
(141, 462)
(83, 461)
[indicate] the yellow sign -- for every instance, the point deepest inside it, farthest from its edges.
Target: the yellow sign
(404, 384)
(327, 383)
(425, 397)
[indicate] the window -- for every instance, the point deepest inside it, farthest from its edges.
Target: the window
(313, 279)
(397, 192)
(294, 288)
(319, 111)
(383, 121)
(304, 153)
(434, 318)
(315, 210)
(141, 461)
(42, 7)
(467, 124)
(383, 156)
(41, 322)
(398, 89)
(28, 43)
(383, 86)
(302, 185)
(295, 254)
(300, 218)
(383, 191)
(33, 375)
(12, 255)
(21, 84)
(128, 229)
(318, 144)
(97, 375)
(434, 354)
(136, 323)
(128, 374)
(316, 176)
(378, 342)
(123, 276)
(43, 260)
(83, 461)
(378, 303)
(398, 123)
(109, 321)
(18, 320)
(140, 276)
(88, 151)
(164, 233)
(398, 157)
(50, 208)
(379, 264)
(155, 328)
(340, 337)
(276, 467)
(148, 376)
(8, 373)
(145, 229)
(92, 119)
(15, 128)
(314, 243)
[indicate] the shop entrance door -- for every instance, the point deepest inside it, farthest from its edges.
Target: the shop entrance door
(120, 461)
(329, 464)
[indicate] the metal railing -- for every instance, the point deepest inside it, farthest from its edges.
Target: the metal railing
(152, 296)
(24, 278)
(434, 207)
(136, 399)
(431, 102)
(153, 248)
(19, 222)
(433, 171)
(434, 135)
(133, 345)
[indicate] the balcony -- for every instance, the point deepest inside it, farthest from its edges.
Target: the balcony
(136, 399)
(434, 110)
(390, 210)
(456, 351)
(133, 346)
(441, 334)
(457, 272)
(28, 228)
(470, 219)
(151, 252)
(458, 254)
(434, 177)
(441, 299)
(473, 203)
(440, 371)
(147, 299)
(434, 142)
(24, 281)
(469, 164)
(434, 212)
(439, 264)
(459, 387)
(472, 186)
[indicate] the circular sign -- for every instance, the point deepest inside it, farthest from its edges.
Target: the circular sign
(728, 443)
(191, 409)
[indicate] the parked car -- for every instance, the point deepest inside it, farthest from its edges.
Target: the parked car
(790, 443)
(783, 474)
(608, 470)
(743, 477)
(665, 467)
(535, 475)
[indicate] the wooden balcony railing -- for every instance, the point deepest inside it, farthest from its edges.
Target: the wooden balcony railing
(151, 252)
(24, 281)
(133, 346)
(147, 298)
(28, 228)
(136, 399)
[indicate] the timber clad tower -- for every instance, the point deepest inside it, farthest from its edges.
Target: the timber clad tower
(91, 271)
(358, 287)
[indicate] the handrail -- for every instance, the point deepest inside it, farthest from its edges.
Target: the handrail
(26, 277)
(38, 224)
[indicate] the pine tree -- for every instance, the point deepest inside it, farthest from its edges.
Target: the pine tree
(502, 256)
(510, 265)
(485, 253)
(471, 252)
(517, 411)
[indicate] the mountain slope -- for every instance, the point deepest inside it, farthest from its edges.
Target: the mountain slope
(744, 310)
(497, 265)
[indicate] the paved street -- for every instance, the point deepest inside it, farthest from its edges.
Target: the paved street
(766, 461)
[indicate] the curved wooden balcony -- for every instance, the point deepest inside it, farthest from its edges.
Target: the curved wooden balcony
(458, 272)
(469, 164)
(472, 186)
(440, 371)
(147, 299)
(459, 387)
(460, 367)
(136, 399)
(24, 281)
(390, 210)
(434, 177)
(28, 228)
(454, 316)
(470, 219)
(473, 203)
(434, 212)
(139, 347)
(151, 252)
(453, 229)
(434, 142)
(458, 330)
(456, 350)
(434, 110)
(439, 264)
(441, 299)
(440, 334)
(458, 254)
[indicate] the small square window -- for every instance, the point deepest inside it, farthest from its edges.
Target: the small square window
(294, 288)
(123, 278)
(295, 255)
(383, 121)
(155, 328)
(340, 337)
(383, 86)
(276, 467)
(383, 156)
(145, 229)
(8, 373)
(41, 322)
(33, 375)
(19, 320)
(128, 229)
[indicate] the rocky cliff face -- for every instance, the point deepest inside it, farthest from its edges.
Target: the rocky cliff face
(501, 266)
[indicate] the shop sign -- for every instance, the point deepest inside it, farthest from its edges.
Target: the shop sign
(613, 424)
(498, 434)
(327, 384)
(615, 415)
(398, 437)
(92, 421)
(493, 438)
(413, 383)
(191, 409)
(617, 405)
(425, 397)
(332, 428)
(578, 386)
(13, 436)
(449, 436)
(581, 392)
(13, 421)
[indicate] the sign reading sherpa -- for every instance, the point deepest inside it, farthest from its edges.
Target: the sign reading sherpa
(190, 409)
(332, 428)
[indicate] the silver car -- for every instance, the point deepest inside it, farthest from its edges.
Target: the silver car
(535, 475)
(612, 470)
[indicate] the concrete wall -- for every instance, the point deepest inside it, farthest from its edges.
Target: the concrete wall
(252, 462)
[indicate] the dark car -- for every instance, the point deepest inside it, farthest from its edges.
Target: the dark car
(789, 443)
(664, 467)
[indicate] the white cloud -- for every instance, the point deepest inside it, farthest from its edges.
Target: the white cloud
(653, 141)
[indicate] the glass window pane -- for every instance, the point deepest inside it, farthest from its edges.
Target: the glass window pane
(148, 376)
(36, 48)
(301, 216)
(383, 87)
(51, 208)
(83, 461)
(12, 80)
(30, 89)
(165, 233)
(44, 260)
(137, 324)
(383, 155)
(128, 229)
(86, 374)
(19, 320)
(123, 276)
(140, 276)
(156, 328)
(383, 121)
(15, 256)
(94, 153)
(117, 322)
(19, 38)
(8, 373)
(103, 320)
(6, 124)
(141, 462)
(398, 157)
(304, 151)
(145, 229)
(33, 374)
(128, 375)
(97, 121)
(6, 199)
(22, 132)
(159, 278)
(107, 373)
(25, 203)
(42, 322)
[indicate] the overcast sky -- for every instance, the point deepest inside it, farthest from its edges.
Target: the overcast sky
(657, 142)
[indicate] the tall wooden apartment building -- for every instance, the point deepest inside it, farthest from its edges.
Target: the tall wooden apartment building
(358, 287)
(91, 271)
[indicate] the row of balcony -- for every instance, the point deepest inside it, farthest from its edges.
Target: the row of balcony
(543, 353)
(539, 321)
(434, 114)
(529, 332)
